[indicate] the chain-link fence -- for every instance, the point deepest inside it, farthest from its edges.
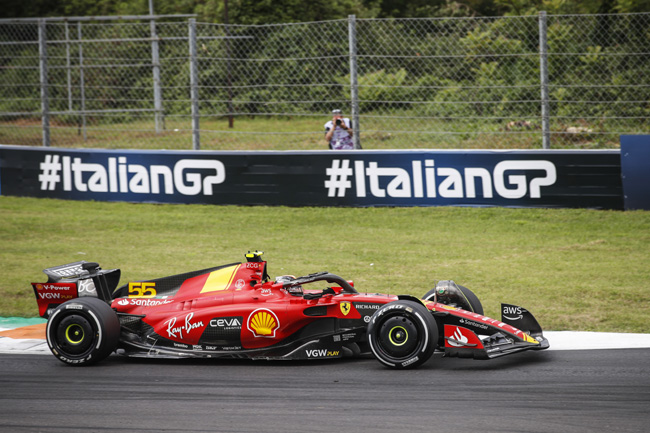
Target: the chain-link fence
(571, 81)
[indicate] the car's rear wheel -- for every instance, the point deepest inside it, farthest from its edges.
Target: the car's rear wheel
(402, 334)
(83, 331)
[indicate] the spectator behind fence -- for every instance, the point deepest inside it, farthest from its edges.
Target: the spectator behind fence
(338, 132)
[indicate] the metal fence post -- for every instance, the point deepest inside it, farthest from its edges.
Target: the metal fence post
(67, 64)
(231, 121)
(354, 88)
(543, 70)
(155, 60)
(45, 103)
(194, 89)
(82, 90)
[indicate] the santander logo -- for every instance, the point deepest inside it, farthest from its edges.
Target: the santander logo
(460, 338)
(457, 336)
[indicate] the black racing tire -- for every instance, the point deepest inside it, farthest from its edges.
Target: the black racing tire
(474, 301)
(402, 334)
(83, 331)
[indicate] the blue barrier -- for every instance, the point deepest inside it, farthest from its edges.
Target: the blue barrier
(350, 178)
(635, 165)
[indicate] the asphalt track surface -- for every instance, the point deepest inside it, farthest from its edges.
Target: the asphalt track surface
(550, 391)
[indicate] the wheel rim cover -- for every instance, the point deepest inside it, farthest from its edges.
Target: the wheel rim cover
(398, 337)
(74, 336)
(74, 333)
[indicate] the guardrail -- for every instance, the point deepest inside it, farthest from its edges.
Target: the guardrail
(553, 178)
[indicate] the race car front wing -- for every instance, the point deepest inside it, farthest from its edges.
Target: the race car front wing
(524, 334)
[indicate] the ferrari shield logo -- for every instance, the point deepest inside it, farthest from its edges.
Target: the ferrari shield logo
(345, 308)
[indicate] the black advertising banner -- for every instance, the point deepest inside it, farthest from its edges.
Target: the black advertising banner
(635, 163)
(347, 178)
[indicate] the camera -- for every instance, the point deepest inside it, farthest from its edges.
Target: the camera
(338, 122)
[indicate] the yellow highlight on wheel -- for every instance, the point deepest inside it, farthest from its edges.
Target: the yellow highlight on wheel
(400, 335)
(73, 331)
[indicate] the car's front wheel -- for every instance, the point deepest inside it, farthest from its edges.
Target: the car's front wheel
(83, 331)
(402, 334)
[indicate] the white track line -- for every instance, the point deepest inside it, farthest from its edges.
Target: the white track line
(20, 346)
(572, 340)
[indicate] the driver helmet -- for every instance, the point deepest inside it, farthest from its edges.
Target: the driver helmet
(292, 290)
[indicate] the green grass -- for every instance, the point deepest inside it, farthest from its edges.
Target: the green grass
(305, 133)
(575, 269)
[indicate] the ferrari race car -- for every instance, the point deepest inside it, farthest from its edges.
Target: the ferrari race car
(237, 311)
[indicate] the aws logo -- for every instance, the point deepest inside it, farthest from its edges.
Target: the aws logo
(512, 312)
(263, 323)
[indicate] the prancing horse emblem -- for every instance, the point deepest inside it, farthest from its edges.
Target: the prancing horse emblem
(345, 308)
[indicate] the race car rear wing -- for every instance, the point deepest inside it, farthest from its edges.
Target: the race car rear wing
(74, 280)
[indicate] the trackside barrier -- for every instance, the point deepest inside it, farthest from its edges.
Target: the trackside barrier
(543, 178)
(635, 165)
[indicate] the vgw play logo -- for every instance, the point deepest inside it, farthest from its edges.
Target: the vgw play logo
(510, 179)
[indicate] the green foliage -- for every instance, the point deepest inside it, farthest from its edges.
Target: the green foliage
(440, 68)
(490, 41)
(378, 86)
(278, 11)
(558, 7)
(256, 12)
(630, 6)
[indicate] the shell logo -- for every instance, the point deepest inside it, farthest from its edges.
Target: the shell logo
(263, 323)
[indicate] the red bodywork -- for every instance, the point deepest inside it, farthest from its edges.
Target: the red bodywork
(269, 314)
(235, 311)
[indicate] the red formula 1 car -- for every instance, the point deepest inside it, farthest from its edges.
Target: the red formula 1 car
(236, 311)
